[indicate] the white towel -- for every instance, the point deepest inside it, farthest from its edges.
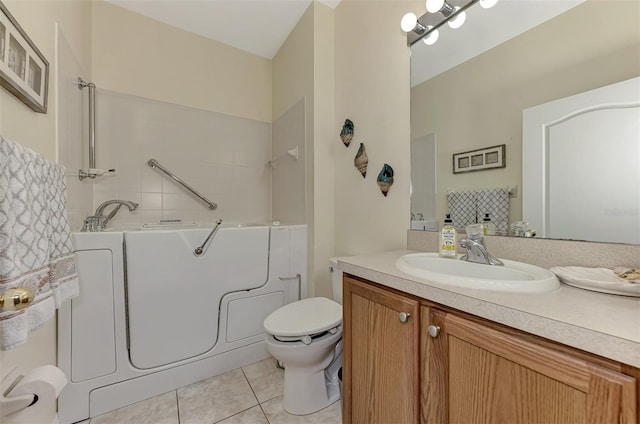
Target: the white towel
(35, 240)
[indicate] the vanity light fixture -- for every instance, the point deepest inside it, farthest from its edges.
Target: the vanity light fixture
(438, 13)
(487, 4)
(431, 39)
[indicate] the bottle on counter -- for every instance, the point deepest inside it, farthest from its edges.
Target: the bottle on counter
(448, 238)
(488, 226)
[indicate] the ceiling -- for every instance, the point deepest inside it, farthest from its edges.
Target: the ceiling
(256, 26)
(483, 30)
(261, 26)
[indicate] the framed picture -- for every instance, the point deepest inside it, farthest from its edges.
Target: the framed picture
(24, 71)
(478, 160)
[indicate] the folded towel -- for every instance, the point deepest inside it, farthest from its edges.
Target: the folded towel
(35, 240)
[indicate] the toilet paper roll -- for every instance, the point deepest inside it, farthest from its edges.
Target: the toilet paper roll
(46, 383)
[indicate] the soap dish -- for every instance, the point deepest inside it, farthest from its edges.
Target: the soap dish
(596, 279)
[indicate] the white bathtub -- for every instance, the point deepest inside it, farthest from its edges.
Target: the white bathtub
(172, 318)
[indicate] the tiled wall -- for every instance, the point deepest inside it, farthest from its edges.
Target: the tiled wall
(223, 157)
(72, 132)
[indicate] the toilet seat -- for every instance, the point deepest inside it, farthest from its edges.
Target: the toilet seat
(304, 319)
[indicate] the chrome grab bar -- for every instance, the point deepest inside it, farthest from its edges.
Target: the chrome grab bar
(92, 120)
(199, 251)
(155, 164)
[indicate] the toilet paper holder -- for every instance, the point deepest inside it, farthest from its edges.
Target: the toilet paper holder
(10, 404)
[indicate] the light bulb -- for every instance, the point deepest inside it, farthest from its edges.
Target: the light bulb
(486, 4)
(431, 39)
(458, 20)
(408, 22)
(434, 6)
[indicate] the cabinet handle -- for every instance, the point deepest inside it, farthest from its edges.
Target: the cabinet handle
(404, 316)
(433, 330)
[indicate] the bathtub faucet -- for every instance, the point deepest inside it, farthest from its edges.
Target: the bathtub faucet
(98, 222)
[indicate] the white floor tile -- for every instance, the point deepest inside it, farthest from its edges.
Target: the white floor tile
(215, 398)
(250, 416)
(277, 415)
(161, 409)
(266, 380)
(226, 399)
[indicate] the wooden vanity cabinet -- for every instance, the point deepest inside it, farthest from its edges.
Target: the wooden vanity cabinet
(475, 373)
(437, 365)
(381, 355)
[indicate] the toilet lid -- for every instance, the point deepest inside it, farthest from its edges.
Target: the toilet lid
(304, 317)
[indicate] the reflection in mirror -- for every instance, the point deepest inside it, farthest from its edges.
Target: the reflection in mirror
(423, 179)
(479, 103)
(596, 130)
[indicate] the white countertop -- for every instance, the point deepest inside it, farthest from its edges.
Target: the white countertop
(603, 324)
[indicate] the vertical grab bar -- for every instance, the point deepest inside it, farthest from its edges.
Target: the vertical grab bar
(92, 120)
(92, 172)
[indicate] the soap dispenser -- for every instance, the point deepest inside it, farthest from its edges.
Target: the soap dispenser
(448, 238)
(488, 226)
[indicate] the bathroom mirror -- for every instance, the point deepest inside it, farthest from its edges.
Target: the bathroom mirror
(472, 99)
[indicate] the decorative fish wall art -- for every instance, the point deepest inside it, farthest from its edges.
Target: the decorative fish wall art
(347, 132)
(361, 160)
(385, 179)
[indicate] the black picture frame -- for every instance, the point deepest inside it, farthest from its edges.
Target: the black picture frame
(24, 71)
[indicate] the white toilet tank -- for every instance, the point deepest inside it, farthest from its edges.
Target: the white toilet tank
(336, 280)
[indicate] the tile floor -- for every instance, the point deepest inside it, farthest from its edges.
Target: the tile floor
(249, 395)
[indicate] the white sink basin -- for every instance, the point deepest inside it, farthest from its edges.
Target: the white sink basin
(514, 276)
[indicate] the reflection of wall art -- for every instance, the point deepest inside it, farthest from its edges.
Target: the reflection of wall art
(24, 71)
(361, 160)
(385, 179)
(347, 132)
(478, 160)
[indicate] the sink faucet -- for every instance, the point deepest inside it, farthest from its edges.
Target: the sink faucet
(476, 248)
(98, 222)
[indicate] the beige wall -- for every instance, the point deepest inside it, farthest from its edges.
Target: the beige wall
(38, 19)
(372, 89)
(292, 77)
(137, 55)
(293, 82)
(38, 132)
(479, 103)
(322, 171)
(303, 68)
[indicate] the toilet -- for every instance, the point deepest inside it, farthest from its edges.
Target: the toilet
(306, 337)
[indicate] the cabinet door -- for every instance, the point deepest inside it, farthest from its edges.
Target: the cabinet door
(380, 369)
(489, 376)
